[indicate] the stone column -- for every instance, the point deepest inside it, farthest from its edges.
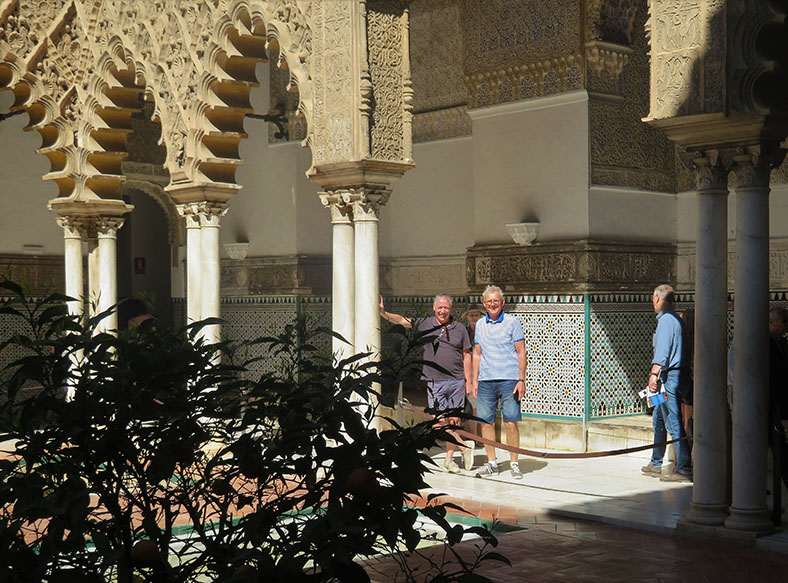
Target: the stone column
(107, 232)
(193, 262)
(367, 286)
(751, 347)
(73, 232)
(343, 305)
(94, 287)
(210, 298)
(710, 458)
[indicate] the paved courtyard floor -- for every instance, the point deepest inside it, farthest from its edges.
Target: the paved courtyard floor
(600, 519)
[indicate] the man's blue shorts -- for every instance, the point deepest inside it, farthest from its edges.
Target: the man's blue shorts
(488, 395)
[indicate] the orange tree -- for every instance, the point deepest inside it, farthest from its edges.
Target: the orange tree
(143, 457)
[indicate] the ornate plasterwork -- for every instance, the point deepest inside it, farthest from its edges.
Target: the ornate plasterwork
(423, 275)
(295, 274)
(778, 264)
(79, 66)
(570, 267)
(443, 123)
(687, 57)
(437, 55)
(623, 150)
(385, 22)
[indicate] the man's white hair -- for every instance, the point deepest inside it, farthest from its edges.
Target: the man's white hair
(492, 289)
(442, 297)
(665, 292)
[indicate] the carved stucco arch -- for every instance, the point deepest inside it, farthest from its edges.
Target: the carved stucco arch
(76, 66)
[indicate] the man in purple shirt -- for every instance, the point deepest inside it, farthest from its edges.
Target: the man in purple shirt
(448, 346)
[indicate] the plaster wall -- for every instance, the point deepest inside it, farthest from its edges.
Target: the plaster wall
(277, 211)
(530, 163)
(430, 211)
(24, 219)
(631, 215)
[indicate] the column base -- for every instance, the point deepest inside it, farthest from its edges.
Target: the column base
(706, 515)
(750, 520)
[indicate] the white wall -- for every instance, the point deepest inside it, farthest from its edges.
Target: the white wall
(622, 214)
(277, 211)
(24, 218)
(430, 211)
(530, 163)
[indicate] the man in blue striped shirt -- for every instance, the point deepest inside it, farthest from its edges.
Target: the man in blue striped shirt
(499, 363)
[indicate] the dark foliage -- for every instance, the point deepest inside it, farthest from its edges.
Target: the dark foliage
(150, 456)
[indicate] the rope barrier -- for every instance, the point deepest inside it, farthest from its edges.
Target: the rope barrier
(544, 454)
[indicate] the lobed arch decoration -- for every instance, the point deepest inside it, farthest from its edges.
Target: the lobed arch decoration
(80, 67)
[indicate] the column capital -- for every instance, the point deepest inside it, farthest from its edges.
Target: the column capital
(202, 213)
(73, 227)
(753, 164)
(338, 204)
(711, 168)
(107, 227)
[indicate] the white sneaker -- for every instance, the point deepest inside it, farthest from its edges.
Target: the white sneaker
(451, 467)
(467, 455)
(516, 473)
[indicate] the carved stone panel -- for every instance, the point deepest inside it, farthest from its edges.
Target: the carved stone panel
(294, 274)
(570, 267)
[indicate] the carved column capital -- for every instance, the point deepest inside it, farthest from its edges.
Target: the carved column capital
(367, 204)
(753, 164)
(338, 204)
(711, 169)
(203, 213)
(212, 212)
(107, 227)
(73, 227)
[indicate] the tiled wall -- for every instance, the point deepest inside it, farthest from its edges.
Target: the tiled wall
(587, 354)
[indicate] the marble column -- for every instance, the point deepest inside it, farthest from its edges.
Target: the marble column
(367, 285)
(107, 233)
(710, 451)
(73, 233)
(193, 262)
(343, 291)
(94, 286)
(210, 297)
(751, 347)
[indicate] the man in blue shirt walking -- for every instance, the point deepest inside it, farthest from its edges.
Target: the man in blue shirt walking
(666, 368)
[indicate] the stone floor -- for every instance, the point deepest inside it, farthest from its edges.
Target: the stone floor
(600, 519)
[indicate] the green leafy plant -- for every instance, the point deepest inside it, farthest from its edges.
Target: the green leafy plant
(143, 456)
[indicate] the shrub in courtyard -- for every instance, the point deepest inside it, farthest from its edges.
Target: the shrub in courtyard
(146, 457)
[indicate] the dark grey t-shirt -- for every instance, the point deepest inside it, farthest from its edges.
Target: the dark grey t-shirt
(444, 345)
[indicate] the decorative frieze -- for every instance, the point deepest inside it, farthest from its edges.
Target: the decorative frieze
(443, 123)
(778, 265)
(38, 275)
(292, 274)
(572, 266)
(423, 275)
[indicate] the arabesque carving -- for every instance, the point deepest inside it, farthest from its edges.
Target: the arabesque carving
(78, 68)
(569, 267)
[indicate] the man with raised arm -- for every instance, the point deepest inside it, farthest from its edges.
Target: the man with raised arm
(447, 345)
(499, 363)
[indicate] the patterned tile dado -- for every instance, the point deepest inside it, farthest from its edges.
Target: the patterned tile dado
(554, 341)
